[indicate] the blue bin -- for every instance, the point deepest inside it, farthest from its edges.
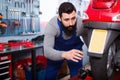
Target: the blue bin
(40, 74)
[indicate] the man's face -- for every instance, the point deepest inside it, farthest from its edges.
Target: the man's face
(68, 22)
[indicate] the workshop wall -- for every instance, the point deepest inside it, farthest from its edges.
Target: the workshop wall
(49, 10)
(19, 17)
(80, 5)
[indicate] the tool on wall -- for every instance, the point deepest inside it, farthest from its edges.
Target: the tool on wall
(33, 24)
(1, 16)
(16, 22)
(31, 6)
(0, 4)
(3, 26)
(6, 12)
(12, 13)
(22, 5)
(17, 4)
(17, 13)
(28, 6)
(9, 1)
(25, 26)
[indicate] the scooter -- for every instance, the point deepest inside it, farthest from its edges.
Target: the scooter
(101, 24)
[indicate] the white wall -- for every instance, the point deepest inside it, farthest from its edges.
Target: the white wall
(49, 9)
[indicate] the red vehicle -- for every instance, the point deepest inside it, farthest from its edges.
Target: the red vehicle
(101, 23)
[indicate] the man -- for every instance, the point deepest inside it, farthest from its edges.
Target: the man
(62, 41)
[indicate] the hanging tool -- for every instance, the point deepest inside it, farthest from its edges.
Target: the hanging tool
(31, 6)
(25, 26)
(22, 5)
(28, 5)
(1, 16)
(11, 13)
(6, 12)
(11, 27)
(1, 4)
(9, 1)
(3, 26)
(17, 4)
(16, 23)
(33, 24)
(25, 22)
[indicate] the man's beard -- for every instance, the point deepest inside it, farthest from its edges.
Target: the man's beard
(69, 30)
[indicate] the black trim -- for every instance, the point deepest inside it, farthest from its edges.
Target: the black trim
(102, 25)
(98, 55)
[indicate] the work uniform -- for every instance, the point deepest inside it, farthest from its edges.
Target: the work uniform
(62, 44)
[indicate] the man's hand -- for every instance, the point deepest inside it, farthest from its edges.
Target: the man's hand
(74, 55)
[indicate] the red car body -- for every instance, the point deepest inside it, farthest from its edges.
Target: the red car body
(103, 11)
(103, 15)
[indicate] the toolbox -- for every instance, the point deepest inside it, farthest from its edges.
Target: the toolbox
(5, 67)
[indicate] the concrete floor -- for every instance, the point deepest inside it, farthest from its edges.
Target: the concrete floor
(87, 66)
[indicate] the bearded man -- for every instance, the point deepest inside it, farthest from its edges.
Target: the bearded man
(62, 41)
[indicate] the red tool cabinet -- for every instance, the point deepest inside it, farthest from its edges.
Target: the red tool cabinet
(5, 67)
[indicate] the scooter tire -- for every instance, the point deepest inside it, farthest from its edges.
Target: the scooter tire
(99, 67)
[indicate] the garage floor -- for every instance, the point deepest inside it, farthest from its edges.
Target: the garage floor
(87, 66)
(115, 77)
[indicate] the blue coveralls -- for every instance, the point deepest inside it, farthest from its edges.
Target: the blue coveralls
(64, 45)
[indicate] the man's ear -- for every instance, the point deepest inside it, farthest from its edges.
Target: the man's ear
(59, 18)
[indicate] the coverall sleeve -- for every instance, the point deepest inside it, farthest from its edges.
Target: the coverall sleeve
(51, 31)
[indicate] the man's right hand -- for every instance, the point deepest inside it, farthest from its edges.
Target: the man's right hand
(74, 55)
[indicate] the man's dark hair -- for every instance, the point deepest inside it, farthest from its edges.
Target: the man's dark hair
(66, 7)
